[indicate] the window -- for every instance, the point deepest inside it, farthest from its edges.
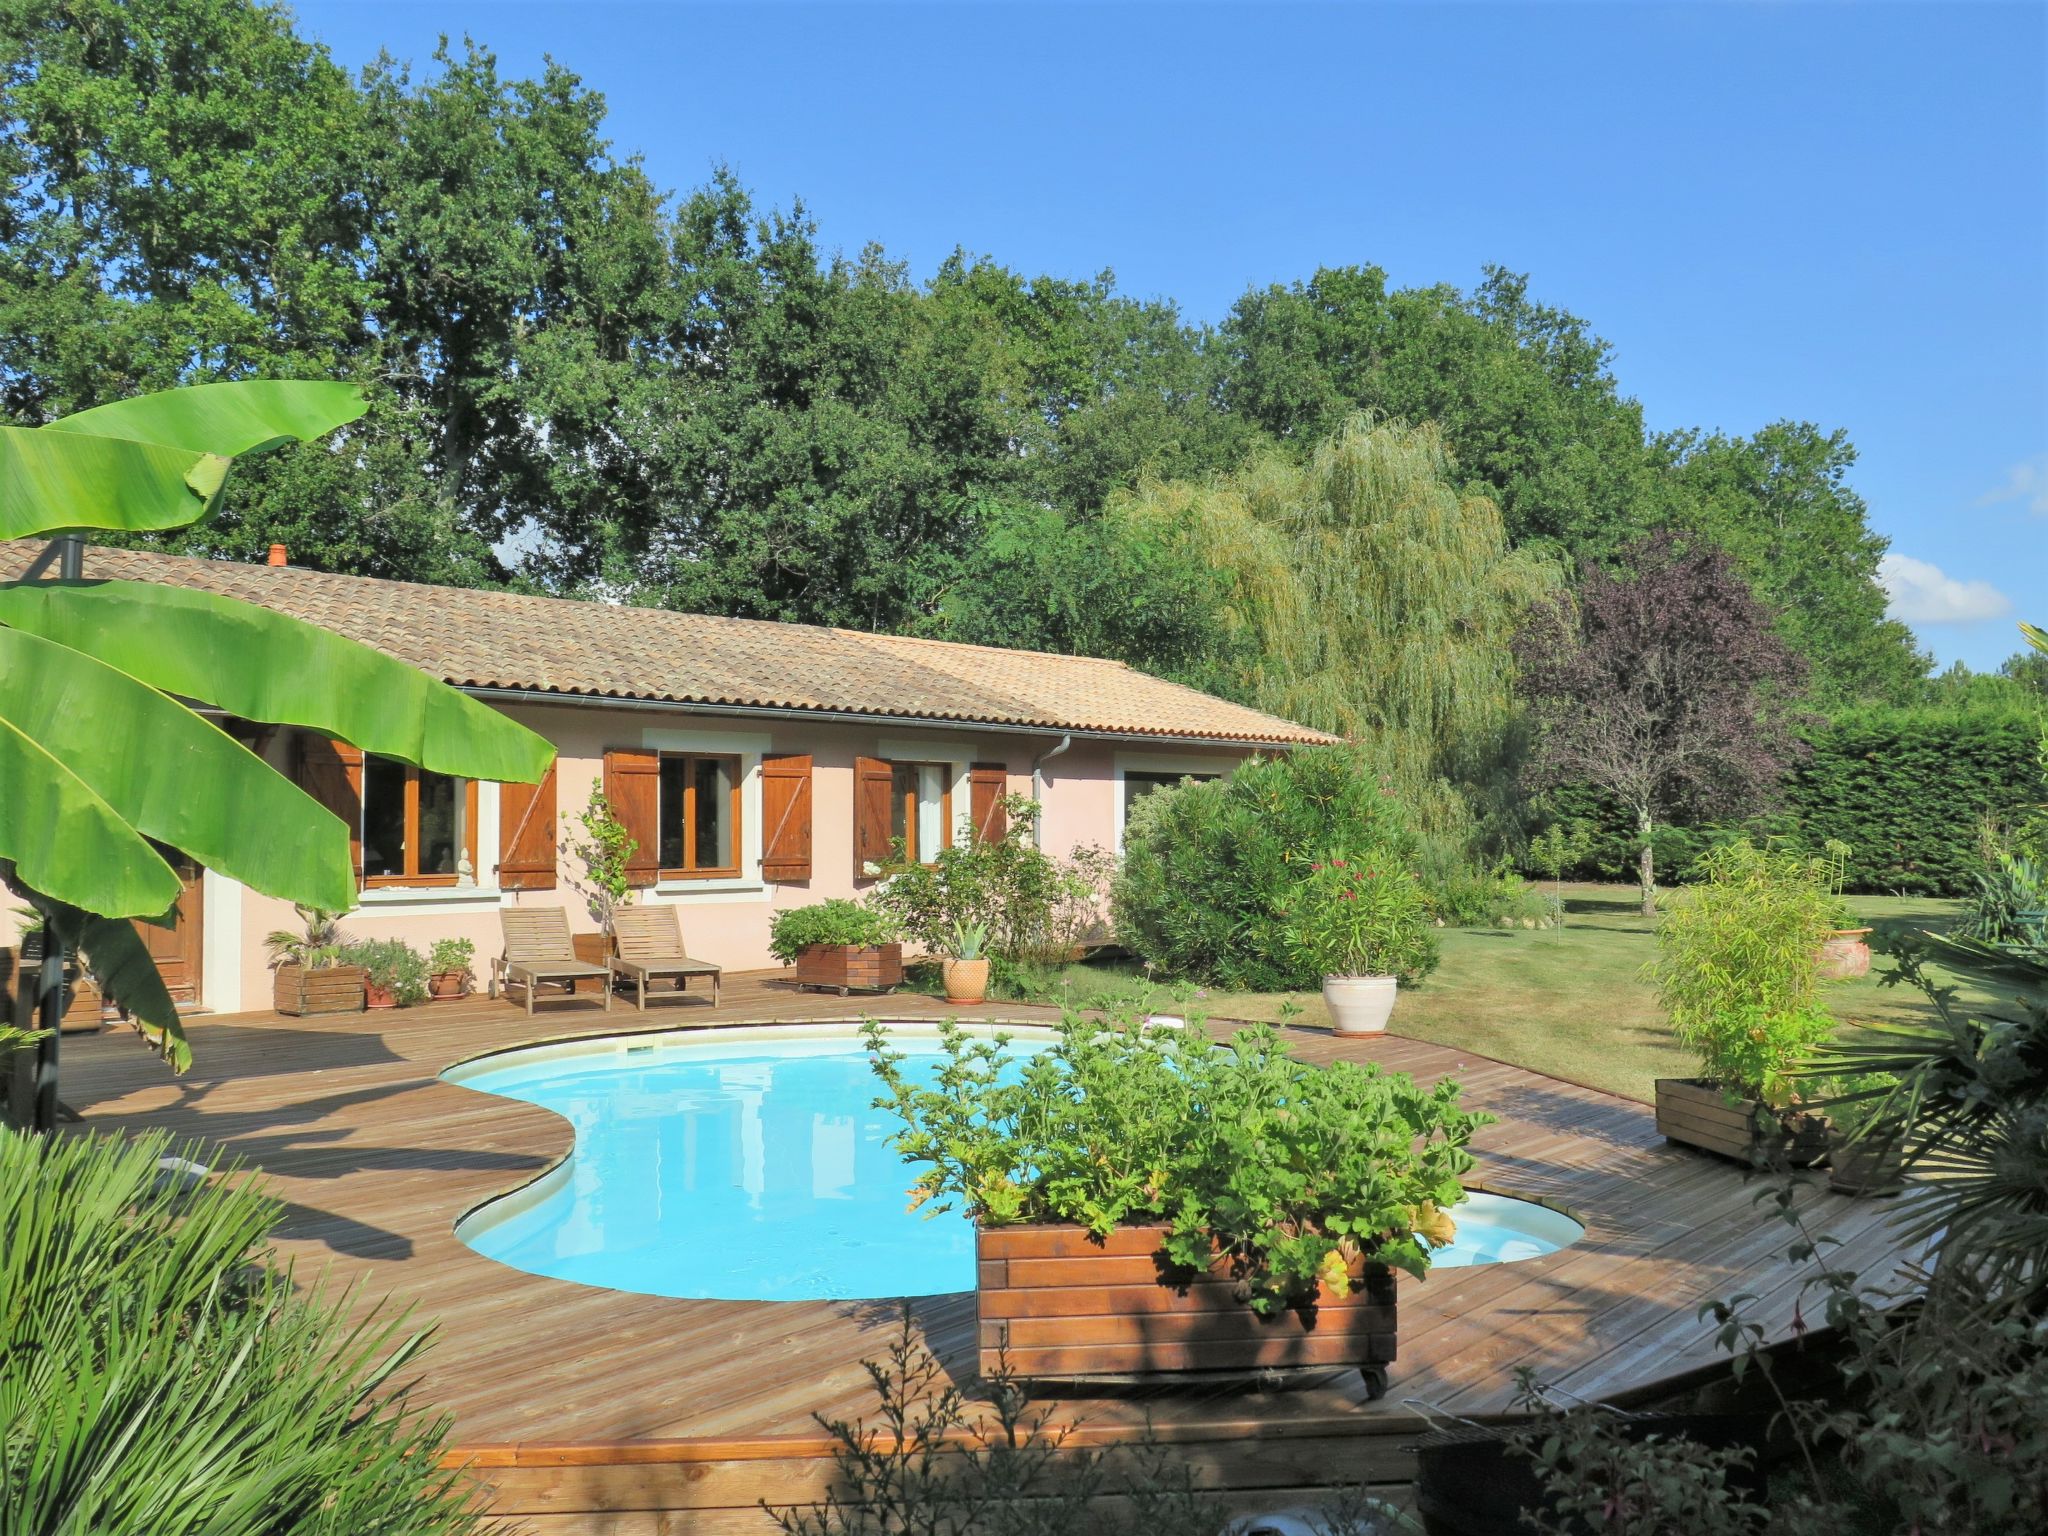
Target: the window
(418, 827)
(1138, 785)
(920, 809)
(699, 816)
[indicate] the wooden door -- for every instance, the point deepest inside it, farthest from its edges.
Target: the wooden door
(177, 949)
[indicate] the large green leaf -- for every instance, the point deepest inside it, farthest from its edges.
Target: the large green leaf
(67, 842)
(171, 776)
(122, 964)
(230, 419)
(51, 482)
(263, 665)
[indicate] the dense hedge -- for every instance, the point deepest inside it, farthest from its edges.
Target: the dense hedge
(1906, 789)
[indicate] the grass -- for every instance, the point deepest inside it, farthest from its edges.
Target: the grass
(1570, 1003)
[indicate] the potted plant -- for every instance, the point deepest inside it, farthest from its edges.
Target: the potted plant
(1845, 952)
(1865, 1155)
(838, 944)
(394, 973)
(449, 972)
(1362, 924)
(600, 840)
(965, 970)
(1213, 1208)
(1738, 971)
(83, 1010)
(310, 974)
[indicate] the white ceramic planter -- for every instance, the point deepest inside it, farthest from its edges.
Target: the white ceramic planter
(1359, 1005)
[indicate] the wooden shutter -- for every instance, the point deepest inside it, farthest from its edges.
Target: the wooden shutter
(526, 835)
(632, 783)
(332, 773)
(871, 788)
(786, 817)
(988, 784)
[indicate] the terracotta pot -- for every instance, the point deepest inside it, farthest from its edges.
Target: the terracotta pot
(1359, 1005)
(1844, 955)
(443, 986)
(375, 996)
(966, 980)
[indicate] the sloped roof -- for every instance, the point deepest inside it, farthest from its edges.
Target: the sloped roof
(591, 650)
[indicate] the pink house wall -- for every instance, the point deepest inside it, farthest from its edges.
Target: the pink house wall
(725, 922)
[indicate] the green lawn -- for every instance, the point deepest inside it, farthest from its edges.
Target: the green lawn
(1570, 1003)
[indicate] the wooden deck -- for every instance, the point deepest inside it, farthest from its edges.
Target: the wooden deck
(597, 1410)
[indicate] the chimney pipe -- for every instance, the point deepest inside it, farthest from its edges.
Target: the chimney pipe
(277, 555)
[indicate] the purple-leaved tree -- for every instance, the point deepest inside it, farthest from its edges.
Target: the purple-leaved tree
(1665, 684)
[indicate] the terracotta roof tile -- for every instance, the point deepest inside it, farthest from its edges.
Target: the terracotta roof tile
(583, 649)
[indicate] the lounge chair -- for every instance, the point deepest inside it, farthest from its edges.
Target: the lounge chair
(538, 951)
(651, 945)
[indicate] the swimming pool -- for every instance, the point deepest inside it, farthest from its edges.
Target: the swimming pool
(749, 1164)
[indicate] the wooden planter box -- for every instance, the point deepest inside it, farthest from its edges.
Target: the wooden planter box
(326, 989)
(1697, 1114)
(1072, 1308)
(1865, 1168)
(591, 949)
(83, 1010)
(849, 967)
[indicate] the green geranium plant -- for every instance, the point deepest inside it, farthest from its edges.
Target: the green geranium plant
(1361, 917)
(837, 921)
(1291, 1173)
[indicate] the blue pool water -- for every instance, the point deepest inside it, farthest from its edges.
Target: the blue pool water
(751, 1166)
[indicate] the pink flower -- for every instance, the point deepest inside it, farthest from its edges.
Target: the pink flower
(1336, 864)
(1350, 895)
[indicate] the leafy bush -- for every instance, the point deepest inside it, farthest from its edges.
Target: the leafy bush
(1035, 907)
(837, 921)
(1361, 917)
(451, 955)
(391, 964)
(932, 1468)
(1736, 965)
(601, 842)
(2011, 903)
(1293, 1173)
(1208, 869)
(153, 1378)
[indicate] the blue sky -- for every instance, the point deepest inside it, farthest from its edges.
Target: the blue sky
(1836, 212)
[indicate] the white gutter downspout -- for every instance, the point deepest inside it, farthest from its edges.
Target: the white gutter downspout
(1038, 784)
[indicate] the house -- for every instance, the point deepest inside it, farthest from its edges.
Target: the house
(758, 765)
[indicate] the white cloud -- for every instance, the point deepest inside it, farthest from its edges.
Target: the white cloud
(2026, 482)
(1923, 593)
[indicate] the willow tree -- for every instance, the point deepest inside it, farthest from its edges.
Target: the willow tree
(1376, 600)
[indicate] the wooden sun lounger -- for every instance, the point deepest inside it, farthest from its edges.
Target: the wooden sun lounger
(538, 952)
(651, 946)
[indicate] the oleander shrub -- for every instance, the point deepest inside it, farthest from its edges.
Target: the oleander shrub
(157, 1375)
(1209, 869)
(1292, 1172)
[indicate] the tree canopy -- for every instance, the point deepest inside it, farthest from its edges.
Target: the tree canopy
(581, 384)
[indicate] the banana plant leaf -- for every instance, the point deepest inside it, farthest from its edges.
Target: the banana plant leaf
(129, 977)
(66, 841)
(54, 482)
(233, 419)
(263, 665)
(168, 775)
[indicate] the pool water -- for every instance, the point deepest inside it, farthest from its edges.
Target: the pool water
(751, 1165)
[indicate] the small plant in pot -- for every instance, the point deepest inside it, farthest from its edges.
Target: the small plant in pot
(1220, 1177)
(1363, 924)
(965, 968)
(839, 944)
(1864, 1113)
(1738, 969)
(449, 969)
(394, 973)
(312, 973)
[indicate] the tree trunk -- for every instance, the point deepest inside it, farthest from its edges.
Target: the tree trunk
(1646, 865)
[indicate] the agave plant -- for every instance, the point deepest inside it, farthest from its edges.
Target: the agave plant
(85, 801)
(156, 1375)
(318, 941)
